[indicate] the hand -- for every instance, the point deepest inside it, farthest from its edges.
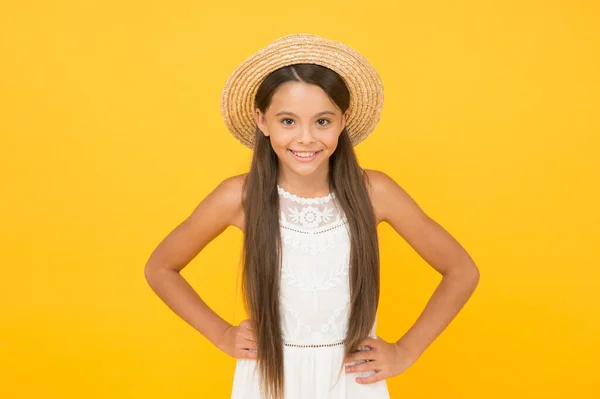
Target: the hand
(386, 359)
(239, 341)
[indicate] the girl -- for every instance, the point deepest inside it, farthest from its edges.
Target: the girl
(309, 214)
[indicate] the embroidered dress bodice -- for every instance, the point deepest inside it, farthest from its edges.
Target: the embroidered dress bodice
(314, 306)
(315, 290)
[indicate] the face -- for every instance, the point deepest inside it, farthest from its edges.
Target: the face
(303, 125)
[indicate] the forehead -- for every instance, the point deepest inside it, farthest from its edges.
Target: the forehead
(299, 97)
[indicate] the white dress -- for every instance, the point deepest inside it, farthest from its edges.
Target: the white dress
(315, 298)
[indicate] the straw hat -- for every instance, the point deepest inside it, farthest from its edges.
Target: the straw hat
(364, 84)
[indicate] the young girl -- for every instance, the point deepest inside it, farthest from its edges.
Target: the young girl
(309, 214)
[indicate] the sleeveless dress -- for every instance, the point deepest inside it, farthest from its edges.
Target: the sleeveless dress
(314, 306)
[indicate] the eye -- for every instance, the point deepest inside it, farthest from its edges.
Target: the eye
(327, 120)
(286, 119)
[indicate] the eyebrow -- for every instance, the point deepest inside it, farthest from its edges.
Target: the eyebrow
(293, 114)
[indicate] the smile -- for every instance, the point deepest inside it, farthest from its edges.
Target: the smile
(305, 156)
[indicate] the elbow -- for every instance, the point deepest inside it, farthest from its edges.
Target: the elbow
(150, 273)
(156, 266)
(476, 275)
(154, 272)
(468, 273)
(472, 275)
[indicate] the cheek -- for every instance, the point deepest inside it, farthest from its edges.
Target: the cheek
(280, 140)
(281, 137)
(278, 144)
(331, 142)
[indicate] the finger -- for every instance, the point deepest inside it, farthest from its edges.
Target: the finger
(249, 354)
(371, 342)
(371, 379)
(249, 338)
(249, 345)
(357, 368)
(362, 355)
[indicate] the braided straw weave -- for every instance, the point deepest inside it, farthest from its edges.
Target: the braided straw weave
(362, 80)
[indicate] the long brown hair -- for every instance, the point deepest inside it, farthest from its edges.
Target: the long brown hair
(261, 255)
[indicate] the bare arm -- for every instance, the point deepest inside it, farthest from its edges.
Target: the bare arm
(221, 208)
(437, 247)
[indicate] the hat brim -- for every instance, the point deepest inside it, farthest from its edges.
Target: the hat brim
(361, 78)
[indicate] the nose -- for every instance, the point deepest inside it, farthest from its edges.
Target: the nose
(306, 135)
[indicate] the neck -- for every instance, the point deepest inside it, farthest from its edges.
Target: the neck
(313, 185)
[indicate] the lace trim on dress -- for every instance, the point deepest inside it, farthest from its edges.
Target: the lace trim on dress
(317, 231)
(339, 343)
(303, 200)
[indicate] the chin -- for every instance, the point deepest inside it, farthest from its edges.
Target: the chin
(303, 169)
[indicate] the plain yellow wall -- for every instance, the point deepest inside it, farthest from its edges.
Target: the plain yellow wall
(111, 134)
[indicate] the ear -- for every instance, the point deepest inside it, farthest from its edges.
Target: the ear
(260, 122)
(344, 119)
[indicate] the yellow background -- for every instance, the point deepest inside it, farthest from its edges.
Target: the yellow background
(111, 134)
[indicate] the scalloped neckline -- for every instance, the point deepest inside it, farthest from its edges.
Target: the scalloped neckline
(295, 197)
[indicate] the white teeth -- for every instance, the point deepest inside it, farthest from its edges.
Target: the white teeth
(304, 154)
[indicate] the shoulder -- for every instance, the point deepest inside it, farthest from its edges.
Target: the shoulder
(377, 181)
(231, 188)
(377, 184)
(388, 197)
(229, 194)
(223, 204)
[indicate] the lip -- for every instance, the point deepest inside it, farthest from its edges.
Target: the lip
(300, 159)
